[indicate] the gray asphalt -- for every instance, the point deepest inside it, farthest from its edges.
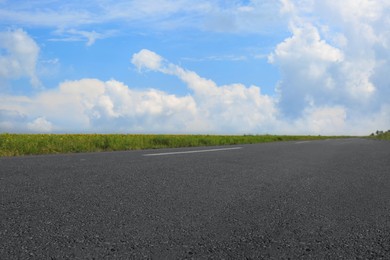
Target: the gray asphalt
(300, 200)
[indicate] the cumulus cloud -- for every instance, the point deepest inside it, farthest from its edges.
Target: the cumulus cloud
(227, 108)
(306, 62)
(18, 56)
(147, 59)
(90, 104)
(337, 71)
(40, 125)
(230, 108)
(317, 120)
(334, 73)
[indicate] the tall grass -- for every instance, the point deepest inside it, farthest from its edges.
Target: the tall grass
(382, 135)
(31, 144)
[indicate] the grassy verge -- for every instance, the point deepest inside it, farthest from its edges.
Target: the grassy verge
(32, 144)
(382, 136)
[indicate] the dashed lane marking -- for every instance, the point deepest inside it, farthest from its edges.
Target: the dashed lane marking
(302, 142)
(193, 151)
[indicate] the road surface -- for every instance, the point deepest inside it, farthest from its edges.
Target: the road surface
(318, 199)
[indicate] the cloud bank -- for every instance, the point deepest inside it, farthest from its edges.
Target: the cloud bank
(89, 104)
(92, 105)
(334, 79)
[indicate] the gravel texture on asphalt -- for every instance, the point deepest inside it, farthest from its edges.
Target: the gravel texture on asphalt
(308, 200)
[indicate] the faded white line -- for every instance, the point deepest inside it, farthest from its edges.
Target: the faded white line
(340, 142)
(302, 142)
(193, 151)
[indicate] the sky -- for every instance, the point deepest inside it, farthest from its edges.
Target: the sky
(195, 67)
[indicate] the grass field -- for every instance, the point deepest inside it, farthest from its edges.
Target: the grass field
(382, 136)
(33, 144)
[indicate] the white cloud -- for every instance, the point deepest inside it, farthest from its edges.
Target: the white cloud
(91, 105)
(334, 69)
(306, 45)
(332, 64)
(90, 37)
(47, 14)
(210, 15)
(147, 59)
(228, 108)
(318, 120)
(40, 125)
(306, 62)
(20, 56)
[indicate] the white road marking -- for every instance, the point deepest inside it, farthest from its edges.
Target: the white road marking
(340, 142)
(194, 151)
(302, 142)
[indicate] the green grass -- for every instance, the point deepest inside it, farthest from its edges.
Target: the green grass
(382, 136)
(33, 144)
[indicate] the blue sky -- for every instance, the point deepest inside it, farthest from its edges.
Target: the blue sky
(207, 66)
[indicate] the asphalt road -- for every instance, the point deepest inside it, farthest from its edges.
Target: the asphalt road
(300, 200)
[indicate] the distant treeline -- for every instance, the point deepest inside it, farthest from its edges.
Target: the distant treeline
(381, 135)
